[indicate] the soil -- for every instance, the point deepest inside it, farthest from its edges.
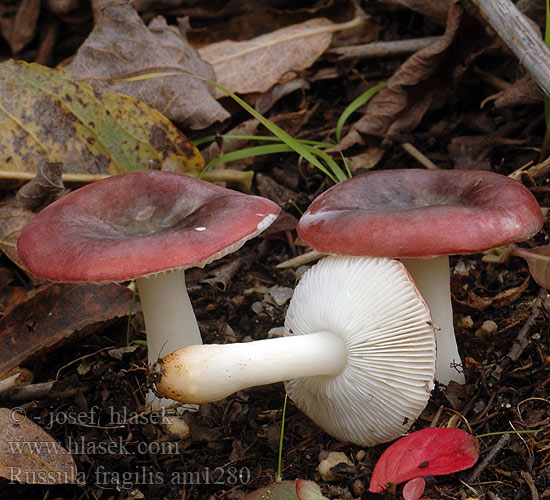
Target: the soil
(234, 443)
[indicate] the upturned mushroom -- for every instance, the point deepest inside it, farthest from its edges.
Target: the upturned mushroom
(422, 217)
(149, 226)
(358, 353)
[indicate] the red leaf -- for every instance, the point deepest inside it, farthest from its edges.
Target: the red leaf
(428, 452)
(414, 488)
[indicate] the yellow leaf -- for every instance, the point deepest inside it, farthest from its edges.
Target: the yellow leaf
(48, 115)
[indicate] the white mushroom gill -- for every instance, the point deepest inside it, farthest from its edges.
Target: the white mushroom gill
(359, 353)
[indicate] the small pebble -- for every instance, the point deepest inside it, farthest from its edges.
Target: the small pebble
(332, 459)
(487, 329)
(466, 322)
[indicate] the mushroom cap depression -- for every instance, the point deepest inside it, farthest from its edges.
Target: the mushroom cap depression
(376, 309)
(138, 224)
(420, 213)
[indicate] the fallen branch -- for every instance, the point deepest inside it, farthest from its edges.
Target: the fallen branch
(487, 459)
(382, 49)
(522, 38)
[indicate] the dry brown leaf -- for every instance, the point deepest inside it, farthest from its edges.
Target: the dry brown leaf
(256, 20)
(121, 46)
(258, 64)
(12, 220)
(475, 302)
(19, 27)
(56, 314)
(45, 187)
(521, 92)
(28, 454)
(424, 80)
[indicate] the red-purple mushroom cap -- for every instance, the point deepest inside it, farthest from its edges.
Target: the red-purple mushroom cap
(138, 224)
(423, 213)
(420, 213)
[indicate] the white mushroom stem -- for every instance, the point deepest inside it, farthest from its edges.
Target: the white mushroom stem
(169, 317)
(170, 321)
(201, 374)
(432, 279)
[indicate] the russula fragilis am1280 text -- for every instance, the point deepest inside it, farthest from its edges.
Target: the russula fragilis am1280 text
(358, 355)
(149, 226)
(422, 217)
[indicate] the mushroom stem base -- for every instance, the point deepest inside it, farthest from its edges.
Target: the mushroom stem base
(206, 373)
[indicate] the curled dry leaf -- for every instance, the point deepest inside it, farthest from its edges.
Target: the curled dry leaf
(521, 92)
(503, 298)
(538, 260)
(427, 452)
(45, 187)
(49, 116)
(28, 454)
(121, 47)
(12, 219)
(256, 65)
(55, 315)
(424, 80)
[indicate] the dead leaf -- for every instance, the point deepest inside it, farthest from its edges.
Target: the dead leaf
(474, 301)
(521, 92)
(48, 116)
(56, 314)
(12, 219)
(256, 65)
(28, 454)
(44, 188)
(538, 259)
(121, 46)
(19, 28)
(424, 80)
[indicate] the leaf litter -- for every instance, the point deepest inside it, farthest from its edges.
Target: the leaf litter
(435, 102)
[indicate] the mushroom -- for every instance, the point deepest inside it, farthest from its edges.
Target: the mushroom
(358, 353)
(422, 217)
(149, 226)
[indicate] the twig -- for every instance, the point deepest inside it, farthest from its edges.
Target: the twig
(538, 170)
(531, 484)
(305, 258)
(244, 178)
(487, 459)
(419, 156)
(382, 49)
(520, 36)
(521, 341)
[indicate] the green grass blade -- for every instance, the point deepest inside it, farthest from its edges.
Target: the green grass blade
(280, 457)
(240, 154)
(285, 137)
(354, 105)
(268, 138)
